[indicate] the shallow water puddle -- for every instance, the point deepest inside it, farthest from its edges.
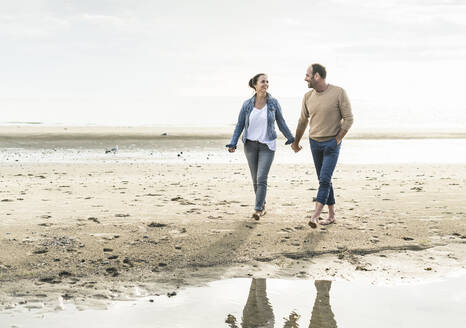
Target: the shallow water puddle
(271, 303)
(202, 151)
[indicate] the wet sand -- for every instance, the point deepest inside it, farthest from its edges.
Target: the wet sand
(97, 232)
(32, 133)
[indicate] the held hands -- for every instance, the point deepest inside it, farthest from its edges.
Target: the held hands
(231, 150)
(296, 147)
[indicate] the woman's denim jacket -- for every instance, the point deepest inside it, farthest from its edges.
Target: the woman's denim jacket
(274, 112)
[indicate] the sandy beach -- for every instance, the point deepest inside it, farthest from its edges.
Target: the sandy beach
(93, 232)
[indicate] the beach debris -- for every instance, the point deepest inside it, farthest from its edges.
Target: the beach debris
(171, 294)
(264, 259)
(94, 219)
(121, 215)
(63, 241)
(112, 271)
(105, 235)
(65, 274)
(361, 268)
(50, 280)
(111, 150)
(41, 251)
(156, 225)
(100, 296)
(164, 134)
(127, 261)
(408, 238)
(182, 201)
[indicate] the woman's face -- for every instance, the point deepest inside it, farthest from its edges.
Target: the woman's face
(262, 84)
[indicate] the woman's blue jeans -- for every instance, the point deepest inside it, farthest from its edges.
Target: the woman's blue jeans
(260, 159)
(325, 156)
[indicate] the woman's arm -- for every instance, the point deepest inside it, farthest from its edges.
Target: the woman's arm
(238, 129)
(282, 124)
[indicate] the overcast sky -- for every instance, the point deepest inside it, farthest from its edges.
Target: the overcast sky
(142, 62)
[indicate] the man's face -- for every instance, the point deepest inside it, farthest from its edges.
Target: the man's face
(310, 78)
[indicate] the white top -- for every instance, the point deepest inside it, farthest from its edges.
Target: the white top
(257, 129)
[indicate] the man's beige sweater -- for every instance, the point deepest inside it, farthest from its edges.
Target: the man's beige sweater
(327, 112)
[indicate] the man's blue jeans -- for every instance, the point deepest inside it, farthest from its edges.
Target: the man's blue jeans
(260, 159)
(325, 156)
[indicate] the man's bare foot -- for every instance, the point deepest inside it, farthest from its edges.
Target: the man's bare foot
(327, 221)
(313, 222)
(256, 215)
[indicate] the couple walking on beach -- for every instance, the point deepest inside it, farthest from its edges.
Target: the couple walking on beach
(327, 110)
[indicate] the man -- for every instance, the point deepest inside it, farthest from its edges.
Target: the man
(328, 111)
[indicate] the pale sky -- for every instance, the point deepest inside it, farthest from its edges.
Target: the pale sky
(181, 62)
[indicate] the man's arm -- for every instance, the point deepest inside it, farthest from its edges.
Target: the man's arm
(341, 135)
(346, 114)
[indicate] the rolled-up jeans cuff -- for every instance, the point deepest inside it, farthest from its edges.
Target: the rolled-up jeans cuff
(320, 200)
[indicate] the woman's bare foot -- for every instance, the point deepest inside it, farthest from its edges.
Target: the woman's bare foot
(263, 212)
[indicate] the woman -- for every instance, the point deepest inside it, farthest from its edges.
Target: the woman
(257, 117)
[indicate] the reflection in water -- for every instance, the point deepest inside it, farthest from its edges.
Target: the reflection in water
(322, 315)
(291, 321)
(258, 313)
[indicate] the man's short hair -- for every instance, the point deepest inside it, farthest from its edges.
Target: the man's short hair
(318, 68)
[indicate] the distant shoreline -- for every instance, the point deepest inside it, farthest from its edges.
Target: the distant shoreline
(23, 132)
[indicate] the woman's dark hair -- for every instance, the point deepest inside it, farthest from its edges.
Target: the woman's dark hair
(253, 81)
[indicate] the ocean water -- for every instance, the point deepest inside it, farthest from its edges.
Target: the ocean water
(369, 114)
(192, 151)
